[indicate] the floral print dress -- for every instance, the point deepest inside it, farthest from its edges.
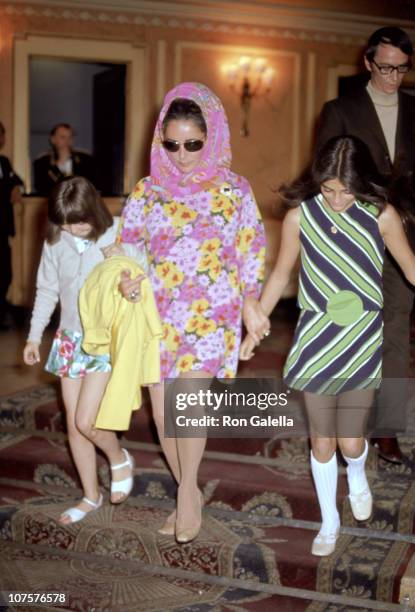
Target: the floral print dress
(207, 253)
(66, 357)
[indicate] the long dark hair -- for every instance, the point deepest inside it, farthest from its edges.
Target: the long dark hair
(347, 159)
(183, 108)
(75, 200)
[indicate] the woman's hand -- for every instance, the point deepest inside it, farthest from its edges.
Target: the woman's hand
(112, 249)
(130, 288)
(246, 350)
(31, 353)
(256, 322)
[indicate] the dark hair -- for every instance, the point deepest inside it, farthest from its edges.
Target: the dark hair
(75, 200)
(388, 36)
(183, 108)
(2, 128)
(55, 128)
(349, 160)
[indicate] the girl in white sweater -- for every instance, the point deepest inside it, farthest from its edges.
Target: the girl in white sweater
(81, 233)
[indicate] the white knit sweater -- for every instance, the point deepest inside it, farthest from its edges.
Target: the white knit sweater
(61, 274)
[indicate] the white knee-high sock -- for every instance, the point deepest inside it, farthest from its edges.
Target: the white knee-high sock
(356, 475)
(325, 479)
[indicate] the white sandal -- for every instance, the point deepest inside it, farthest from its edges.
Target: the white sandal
(123, 486)
(75, 514)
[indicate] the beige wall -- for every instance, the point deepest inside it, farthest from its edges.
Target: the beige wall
(166, 42)
(179, 41)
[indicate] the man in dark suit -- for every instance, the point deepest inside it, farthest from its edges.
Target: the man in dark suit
(10, 194)
(62, 161)
(384, 118)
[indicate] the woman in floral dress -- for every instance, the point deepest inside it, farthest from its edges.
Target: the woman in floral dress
(206, 246)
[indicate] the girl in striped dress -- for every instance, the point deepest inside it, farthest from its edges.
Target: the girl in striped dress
(339, 223)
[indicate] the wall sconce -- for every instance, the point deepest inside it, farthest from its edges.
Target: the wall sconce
(249, 78)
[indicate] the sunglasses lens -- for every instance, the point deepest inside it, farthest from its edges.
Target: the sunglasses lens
(171, 145)
(193, 145)
(190, 145)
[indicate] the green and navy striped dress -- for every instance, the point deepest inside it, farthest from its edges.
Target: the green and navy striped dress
(337, 344)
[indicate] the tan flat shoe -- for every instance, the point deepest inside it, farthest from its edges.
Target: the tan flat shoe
(169, 527)
(324, 545)
(361, 505)
(187, 534)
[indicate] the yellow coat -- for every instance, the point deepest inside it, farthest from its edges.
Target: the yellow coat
(129, 332)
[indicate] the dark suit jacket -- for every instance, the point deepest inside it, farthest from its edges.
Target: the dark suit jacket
(8, 180)
(355, 115)
(47, 173)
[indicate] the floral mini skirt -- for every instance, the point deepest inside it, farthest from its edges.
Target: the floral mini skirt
(67, 358)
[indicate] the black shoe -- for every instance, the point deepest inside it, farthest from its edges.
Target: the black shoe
(388, 450)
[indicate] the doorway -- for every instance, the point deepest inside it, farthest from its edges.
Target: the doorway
(90, 96)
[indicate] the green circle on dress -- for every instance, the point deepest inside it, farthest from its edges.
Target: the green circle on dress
(344, 308)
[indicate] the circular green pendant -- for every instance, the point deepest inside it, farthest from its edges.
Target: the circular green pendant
(344, 308)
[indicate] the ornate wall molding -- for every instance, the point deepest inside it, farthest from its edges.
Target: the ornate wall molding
(267, 22)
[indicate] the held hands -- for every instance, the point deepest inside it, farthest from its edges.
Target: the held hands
(256, 322)
(246, 350)
(31, 353)
(130, 288)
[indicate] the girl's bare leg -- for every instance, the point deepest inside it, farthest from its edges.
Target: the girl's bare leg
(82, 449)
(90, 396)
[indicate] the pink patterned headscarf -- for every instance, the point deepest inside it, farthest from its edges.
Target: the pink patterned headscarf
(214, 164)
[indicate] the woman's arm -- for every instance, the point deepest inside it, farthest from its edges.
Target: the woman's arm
(250, 243)
(393, 233)
(131, 236)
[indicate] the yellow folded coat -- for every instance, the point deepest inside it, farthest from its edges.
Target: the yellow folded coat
(129, 332)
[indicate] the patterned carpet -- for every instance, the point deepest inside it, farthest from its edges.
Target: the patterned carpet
(253, 552)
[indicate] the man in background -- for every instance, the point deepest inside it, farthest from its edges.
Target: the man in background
(384, 118)
(10, 195)
(62, 161)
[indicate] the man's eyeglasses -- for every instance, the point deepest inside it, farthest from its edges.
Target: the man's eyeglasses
(190, 145)
(388, 68)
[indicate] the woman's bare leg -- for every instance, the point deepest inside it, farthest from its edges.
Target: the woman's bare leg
(168, 445)
(190, 452)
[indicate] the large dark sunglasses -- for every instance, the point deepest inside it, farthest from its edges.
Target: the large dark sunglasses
(190, 145)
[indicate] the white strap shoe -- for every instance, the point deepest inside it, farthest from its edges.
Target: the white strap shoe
(361, 505)
(123, 486)
(324, 544)
(75, 514)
